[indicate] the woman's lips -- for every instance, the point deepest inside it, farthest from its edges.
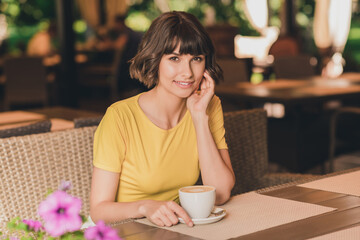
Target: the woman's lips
(184, 84)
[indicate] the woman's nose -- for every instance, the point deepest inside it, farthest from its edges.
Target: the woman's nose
(186, 69)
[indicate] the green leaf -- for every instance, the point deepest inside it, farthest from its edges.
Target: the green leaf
(26, 238)
(83, 218)
(39, 235)
(11, 225)
(14, 220)
(79, 234)
(49, 191)
(22, 226)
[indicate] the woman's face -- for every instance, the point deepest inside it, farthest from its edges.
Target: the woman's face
(181, 74)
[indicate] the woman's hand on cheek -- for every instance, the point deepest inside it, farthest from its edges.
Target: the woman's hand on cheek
(199, 100)
(164, 213)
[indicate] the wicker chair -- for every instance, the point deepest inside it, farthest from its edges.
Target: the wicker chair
(32, 164)
(246, 136)
(33, 128)
(86, 122)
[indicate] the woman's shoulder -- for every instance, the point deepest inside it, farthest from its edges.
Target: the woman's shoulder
(215, 101)
(123, 109)
(128, 103)
(214, 105)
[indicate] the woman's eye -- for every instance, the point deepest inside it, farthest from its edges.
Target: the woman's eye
(197, 59)
(174, 58)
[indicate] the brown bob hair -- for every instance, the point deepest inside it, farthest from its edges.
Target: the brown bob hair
(165, 33)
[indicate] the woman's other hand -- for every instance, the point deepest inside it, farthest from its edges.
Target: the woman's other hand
(199, 100)
(164, 213)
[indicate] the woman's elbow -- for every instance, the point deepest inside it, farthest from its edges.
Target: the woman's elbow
(93, 215)
(222, 198)
(224, 195)
(97, 213)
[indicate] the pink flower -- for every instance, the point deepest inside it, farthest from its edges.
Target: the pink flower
(101, 232)
(33, 225)
(61, 213)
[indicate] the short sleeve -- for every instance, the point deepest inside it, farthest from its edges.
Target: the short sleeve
(216, 122)
(109, 142)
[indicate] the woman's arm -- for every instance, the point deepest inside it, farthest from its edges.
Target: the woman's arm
(215, 164)
(103, 206)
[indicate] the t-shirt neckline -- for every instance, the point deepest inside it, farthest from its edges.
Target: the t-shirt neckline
(153, 124)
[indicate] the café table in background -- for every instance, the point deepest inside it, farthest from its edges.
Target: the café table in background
(61, 117)
(298, 139)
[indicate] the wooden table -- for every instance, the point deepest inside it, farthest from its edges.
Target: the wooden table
(299, 139)
(61, 117)
(294, 91)
(347, 215)
(65, 112)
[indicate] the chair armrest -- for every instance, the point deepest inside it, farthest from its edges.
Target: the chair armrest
(269, 180)
(274, 179)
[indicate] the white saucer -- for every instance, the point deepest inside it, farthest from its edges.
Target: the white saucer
(211, 219)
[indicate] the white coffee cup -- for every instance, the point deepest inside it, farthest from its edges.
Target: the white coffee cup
(198, 201)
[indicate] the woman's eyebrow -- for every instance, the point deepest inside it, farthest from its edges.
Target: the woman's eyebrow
(178, 54)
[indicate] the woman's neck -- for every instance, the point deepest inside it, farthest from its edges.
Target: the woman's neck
(163, 109)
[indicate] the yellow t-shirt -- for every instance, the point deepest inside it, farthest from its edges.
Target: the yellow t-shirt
(153, 163)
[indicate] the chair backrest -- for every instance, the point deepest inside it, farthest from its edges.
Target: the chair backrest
(235, 69)
(246, 136)
(285, 46)
(32, 164)
(32, 128)
(299, 66)
(86, 121)
(25, 81)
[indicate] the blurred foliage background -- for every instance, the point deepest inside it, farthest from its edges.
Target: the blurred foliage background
(26, 17)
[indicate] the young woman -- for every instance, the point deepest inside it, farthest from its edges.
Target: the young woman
(150, 145)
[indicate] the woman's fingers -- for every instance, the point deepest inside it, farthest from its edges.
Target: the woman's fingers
(157, 221)
(166, 214)
(171, 212)
(181, 213)
(208, 83)
(161, 218)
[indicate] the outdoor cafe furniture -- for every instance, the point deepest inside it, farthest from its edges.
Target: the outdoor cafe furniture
(25, 82)
(298, 66)
(61, 117)
(32, 164)
(246, 136)
(318, 209)
(32, 128)
(292, 92)
(298, 139)
(343, 134)
(86, 121)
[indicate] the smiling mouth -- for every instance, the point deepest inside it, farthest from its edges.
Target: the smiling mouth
(184, 83)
